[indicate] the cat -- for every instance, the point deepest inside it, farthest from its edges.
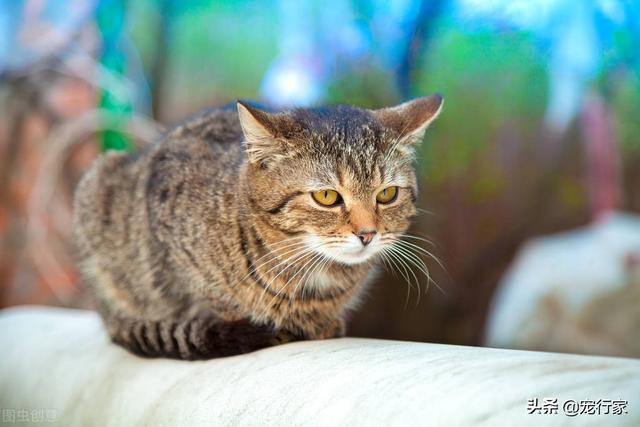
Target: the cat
(242, 228)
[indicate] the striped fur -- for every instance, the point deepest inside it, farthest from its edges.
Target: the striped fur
(198, 246)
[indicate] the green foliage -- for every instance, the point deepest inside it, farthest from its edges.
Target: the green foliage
(619, 80)
(229, 58)
(109, 19)
(486, 79)
(369, 87)
(217, 51)
(143, 19)
(625, 104)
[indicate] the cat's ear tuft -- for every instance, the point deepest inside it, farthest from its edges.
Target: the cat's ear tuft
(259, 129)
(409, 120)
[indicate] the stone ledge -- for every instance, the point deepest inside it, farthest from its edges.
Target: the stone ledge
(62, 360)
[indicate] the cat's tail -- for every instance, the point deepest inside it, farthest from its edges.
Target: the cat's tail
(193, 339)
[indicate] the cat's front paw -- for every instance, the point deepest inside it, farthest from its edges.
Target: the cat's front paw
(336, 329)
(284, 336)
(210, 338)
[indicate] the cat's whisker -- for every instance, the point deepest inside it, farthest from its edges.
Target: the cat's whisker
(303, 257)
(421, 249)
(407, 272)
(392, 268)
(401, 259)
(419, 263)
(307, 268)
(387, 266)
(326, 245)
(273, 248)
(281, 245)
(280, 256)
(289, 263)
(291, 248)
(417, 237)
(256, 267)
(395, 267)
(406, 251)
(282, 288)
(278, 246)
(403, 252)
(309, 274)
(425, 211)
(322, 267)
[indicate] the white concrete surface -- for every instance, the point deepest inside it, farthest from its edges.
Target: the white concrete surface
(62, 361)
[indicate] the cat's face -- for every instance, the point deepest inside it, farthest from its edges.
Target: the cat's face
(339, 181)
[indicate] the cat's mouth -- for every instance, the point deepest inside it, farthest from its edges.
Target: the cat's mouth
(345, 250)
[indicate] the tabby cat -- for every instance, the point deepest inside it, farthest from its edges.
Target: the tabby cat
(243, 228)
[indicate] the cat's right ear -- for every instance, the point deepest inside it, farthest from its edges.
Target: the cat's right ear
(259, 127)
(410, 120)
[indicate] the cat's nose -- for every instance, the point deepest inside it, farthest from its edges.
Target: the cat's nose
(366, 236)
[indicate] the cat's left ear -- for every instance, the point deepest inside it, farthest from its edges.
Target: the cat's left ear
(260, 130)
(410, 119)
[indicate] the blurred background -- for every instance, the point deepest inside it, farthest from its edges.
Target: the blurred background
(530, 179)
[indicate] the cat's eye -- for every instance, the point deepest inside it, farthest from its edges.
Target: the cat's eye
(387, 195)
(327, 197)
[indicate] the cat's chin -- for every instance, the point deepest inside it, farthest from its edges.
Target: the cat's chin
(351, 253)
(347, 258)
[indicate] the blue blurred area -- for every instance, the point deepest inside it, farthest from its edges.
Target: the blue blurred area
(31, 31)
(297, 53)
